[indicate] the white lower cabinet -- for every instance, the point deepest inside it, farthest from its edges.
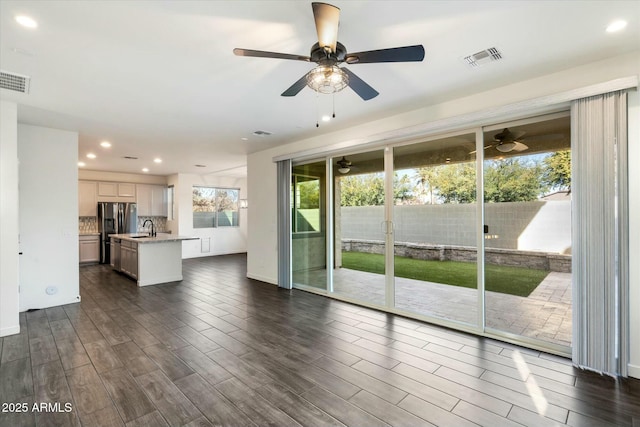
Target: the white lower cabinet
(89, 248)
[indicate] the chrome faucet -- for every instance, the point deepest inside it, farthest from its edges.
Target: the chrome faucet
(153, 227)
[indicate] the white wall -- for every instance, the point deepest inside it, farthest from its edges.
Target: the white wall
(221, 241)
(9, 299)
(262, 243)
(48, 217)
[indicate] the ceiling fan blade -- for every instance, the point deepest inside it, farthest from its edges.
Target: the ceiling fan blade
(485, 147)
(359, 86)
(295, 88)
(394, 54)
(264, 54)
(519, 146)
(327, 19)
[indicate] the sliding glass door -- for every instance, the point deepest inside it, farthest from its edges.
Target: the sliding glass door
(527, 210)
(308, 224)
(435, 232)
(360, 227)
(470, 230)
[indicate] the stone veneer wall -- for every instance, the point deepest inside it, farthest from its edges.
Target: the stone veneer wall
(497, 256)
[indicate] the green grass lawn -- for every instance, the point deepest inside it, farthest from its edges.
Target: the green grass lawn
(507, 280)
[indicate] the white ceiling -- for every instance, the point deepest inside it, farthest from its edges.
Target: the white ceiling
(159, 79)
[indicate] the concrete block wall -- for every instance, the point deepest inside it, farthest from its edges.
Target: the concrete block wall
(543, 226)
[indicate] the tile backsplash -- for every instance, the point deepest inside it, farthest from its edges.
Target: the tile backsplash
(160, 223)
(89, 224)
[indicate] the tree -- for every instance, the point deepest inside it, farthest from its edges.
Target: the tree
(455, 183)
(511, 180)
(557, 171)
(368, 189)
(308, 194)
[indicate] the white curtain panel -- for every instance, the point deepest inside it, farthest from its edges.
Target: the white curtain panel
(284, 224)
(600, 230)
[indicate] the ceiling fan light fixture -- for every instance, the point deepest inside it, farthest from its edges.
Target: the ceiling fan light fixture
(327, 79)
(506, 147)
(344, 165)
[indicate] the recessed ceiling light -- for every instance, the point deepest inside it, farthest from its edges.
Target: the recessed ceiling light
(82, 164)
(26, 21)
(244, 139)
(157, 160)
(105, 144)
(616, 26)
(145, 169)
(91, 156)
(326, 118)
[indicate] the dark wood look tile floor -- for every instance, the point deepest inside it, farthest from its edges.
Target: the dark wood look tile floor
(220, 349)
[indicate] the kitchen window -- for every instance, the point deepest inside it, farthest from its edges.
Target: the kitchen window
(215, 207)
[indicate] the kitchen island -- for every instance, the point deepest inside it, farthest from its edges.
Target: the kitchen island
(149, 260)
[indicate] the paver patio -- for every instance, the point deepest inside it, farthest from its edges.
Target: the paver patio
(545, 314)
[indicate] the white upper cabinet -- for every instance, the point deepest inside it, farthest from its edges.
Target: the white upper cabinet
(116, 192)
(87, 198)
(151, 200)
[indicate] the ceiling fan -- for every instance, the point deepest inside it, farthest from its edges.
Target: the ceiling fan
(507, 141)
(328, 53)
(344, 165)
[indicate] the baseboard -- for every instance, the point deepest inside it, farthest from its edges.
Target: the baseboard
(634, 370)
(166, 279)
(262, 279)
(10, 330)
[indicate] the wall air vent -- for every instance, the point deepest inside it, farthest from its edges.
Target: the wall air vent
(484, 56)
(130, 157)
(13, 81)
(262, 133)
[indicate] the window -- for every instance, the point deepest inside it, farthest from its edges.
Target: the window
(170, 203)
(305, 200)
(215, 207)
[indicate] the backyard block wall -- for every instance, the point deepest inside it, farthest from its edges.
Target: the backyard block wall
(539, 226)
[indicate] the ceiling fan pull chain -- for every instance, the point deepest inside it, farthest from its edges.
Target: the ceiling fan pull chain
(317, 109)
(334, 105)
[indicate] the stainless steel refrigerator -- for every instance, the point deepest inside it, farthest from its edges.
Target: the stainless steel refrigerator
(114, 218)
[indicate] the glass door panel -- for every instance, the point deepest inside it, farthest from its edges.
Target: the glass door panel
(435, 232)
(359, 232)
(527, 183)
(308, 217)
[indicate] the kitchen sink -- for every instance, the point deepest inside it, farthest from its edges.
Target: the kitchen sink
(138, 237)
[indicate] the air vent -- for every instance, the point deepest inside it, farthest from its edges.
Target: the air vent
(200, 166)
(484, 56)
(262, 133)
(130, 157)
(13, 81)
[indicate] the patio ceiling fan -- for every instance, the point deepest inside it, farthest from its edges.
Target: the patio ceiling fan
(328, 53)
(344, 165)
(506, 142)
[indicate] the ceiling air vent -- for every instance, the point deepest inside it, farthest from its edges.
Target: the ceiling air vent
(13, 81)
(262, 133)
(484, 56)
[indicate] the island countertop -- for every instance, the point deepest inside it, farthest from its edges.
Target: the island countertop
(145, 238)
